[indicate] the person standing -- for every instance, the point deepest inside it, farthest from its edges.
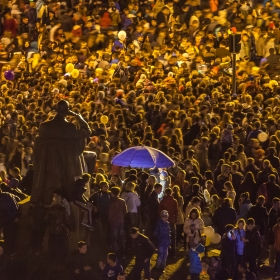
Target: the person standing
(57, 220)
(116, 214)
(142, 249)
(153, 204)
(170, 204)
(163, 240)
(101, 202)
(272, 221)
(252, 245)
(276, 233)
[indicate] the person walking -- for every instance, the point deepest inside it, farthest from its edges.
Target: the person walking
(142, 249)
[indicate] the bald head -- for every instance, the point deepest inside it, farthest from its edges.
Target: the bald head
(62, 107)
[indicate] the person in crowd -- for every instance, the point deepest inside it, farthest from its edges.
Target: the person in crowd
(80, 200)
(80, 263)
(143, 250)
(101, 203)
(195, 263)
(112, 269)
(153, 203)
(252, 245)
(163, 239)
(223, 215)
(116, 215)
(170, 204)
(193, 227)
(58, 223)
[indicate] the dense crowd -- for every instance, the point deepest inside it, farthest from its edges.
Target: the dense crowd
(161, 72)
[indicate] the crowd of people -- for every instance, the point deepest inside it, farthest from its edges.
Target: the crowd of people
(161, 73)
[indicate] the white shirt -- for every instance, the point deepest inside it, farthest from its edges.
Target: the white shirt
(132, 201)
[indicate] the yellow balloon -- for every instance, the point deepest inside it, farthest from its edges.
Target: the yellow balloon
(75, 73)
(207, 241)
(69, 68)
(104, 119)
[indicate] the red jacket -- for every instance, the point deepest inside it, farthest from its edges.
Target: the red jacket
(117, 211)
(10, 25)
(105, 21)
(170, 204)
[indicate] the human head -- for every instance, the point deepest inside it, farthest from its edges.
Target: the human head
(104, 186)
(115, 191)
(134, 232)
(276, 203)
(168, 192)
(82, 247)
(158, 188)
(57, 196)
(194, 214)
(62, 108)
(250, 223)
(164, 215)
(111, 258)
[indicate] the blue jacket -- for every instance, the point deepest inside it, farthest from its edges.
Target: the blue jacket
(239, 243)
(195, 263)
(162, 233)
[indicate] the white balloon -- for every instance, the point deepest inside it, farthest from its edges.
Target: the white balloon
(122, 35)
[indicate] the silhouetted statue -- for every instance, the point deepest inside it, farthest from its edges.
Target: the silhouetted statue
(58, 154)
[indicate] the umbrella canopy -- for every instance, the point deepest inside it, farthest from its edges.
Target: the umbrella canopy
(142, 157)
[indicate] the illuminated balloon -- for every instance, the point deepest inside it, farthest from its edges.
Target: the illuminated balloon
(69, 68)
(104, 119)
(209, 232)
(262, 137)
(75, 73)
(216, 238)
(122, 35)
(9, 75)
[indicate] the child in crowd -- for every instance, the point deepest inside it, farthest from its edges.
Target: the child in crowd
(163, 239)
(195, 263)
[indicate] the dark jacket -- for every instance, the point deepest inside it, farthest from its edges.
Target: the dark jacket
(9, 208)
(162, 233)
(224, 215)
(79, 261)
(252, 248)
(101, 201)
(153, 204)
(260, 215)
(228, 250)
(142, 247)
(58, 220)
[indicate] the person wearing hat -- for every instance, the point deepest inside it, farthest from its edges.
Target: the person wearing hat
(162, 238)
(195, 263)
(142, 249)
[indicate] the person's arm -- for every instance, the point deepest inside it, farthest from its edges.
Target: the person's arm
(83, 124)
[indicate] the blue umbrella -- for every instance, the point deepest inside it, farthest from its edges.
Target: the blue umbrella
(142, 157)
